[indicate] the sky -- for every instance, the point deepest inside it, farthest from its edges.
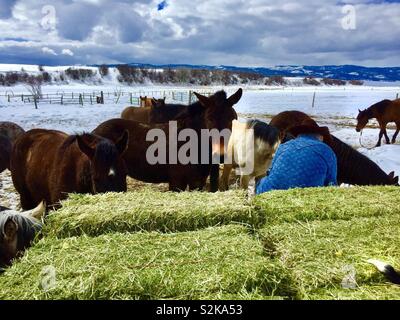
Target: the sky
(211, 32)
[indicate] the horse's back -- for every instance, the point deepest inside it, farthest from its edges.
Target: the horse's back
(10, 130)
(136, 114)
(284, 120)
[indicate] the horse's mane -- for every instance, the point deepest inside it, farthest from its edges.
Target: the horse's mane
(263, 131)
(27, 228)
(379, 107)
(356, 168)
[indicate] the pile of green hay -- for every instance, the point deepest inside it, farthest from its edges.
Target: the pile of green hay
(328, 203)
(150, 210)
(215, 263)
(297, 244)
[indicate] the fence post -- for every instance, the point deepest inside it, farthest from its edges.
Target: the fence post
(102, 97)
(80, 99)
(62, 99)
(397, 96)
(8, 98)
(22, 97)
(35, 101)
(313, 100)
(131, 100)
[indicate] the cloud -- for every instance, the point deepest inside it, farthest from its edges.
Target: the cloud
(230, 32)
(6, 7)
(47, 50)
(67, 52)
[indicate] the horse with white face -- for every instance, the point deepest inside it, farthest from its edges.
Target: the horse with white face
(17, 231)
(251, 147)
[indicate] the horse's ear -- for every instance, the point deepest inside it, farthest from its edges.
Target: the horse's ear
(39, 212)
(233, 99)
(203, 99)
(359, 111)
(10, 230)
(122, 143)
(391, 175)
(85, 147)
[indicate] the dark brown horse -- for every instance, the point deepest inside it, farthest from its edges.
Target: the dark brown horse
(47, 165)
(9, 132)
(353, 167)
(5, 152)
(215, 112)
(385, 112)
(144, 114)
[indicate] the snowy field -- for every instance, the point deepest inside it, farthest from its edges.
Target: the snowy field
(335, 107)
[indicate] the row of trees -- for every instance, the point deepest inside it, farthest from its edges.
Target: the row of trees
(134, 75)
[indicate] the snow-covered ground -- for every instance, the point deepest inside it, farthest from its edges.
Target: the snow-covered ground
(335, 107)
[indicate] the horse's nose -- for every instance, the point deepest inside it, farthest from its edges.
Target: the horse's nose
(358, 129)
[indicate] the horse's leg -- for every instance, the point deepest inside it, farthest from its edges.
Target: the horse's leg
(214, 178)
(225, 177)
(380, 138)
(197, 184)
(244, 181)
(396, 133)
(386, 135)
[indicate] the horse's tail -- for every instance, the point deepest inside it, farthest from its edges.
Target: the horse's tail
(387, 270)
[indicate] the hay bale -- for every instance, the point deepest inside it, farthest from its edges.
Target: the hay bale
(321, 254)
(150, 211)
(216, 263)
(328, 203)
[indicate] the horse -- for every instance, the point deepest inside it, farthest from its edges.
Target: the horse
(215, 112)
(353, 167)
(146, 102)
(262, 138)
(160, 112)
(385, 111)
(49, 164)
(142, 114)
(5, 151)
(9, 132)
(17, 231)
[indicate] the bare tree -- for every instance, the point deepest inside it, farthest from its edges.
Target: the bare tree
(34, 86)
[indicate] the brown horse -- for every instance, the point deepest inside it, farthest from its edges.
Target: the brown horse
(353, 167)
(146, 102)
(9, 132)
(48, 164)
(385, 111)
(215, 112)
(142, 114)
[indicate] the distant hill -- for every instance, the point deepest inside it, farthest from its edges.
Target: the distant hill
(345, 72)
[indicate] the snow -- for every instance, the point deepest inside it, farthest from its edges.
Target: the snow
(334, 107)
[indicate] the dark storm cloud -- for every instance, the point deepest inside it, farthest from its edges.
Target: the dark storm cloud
(252, 32)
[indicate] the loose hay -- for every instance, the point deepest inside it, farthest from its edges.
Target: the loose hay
(148, 210)
(215, 263)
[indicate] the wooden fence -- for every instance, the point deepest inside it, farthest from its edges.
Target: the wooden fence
(101, 97)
